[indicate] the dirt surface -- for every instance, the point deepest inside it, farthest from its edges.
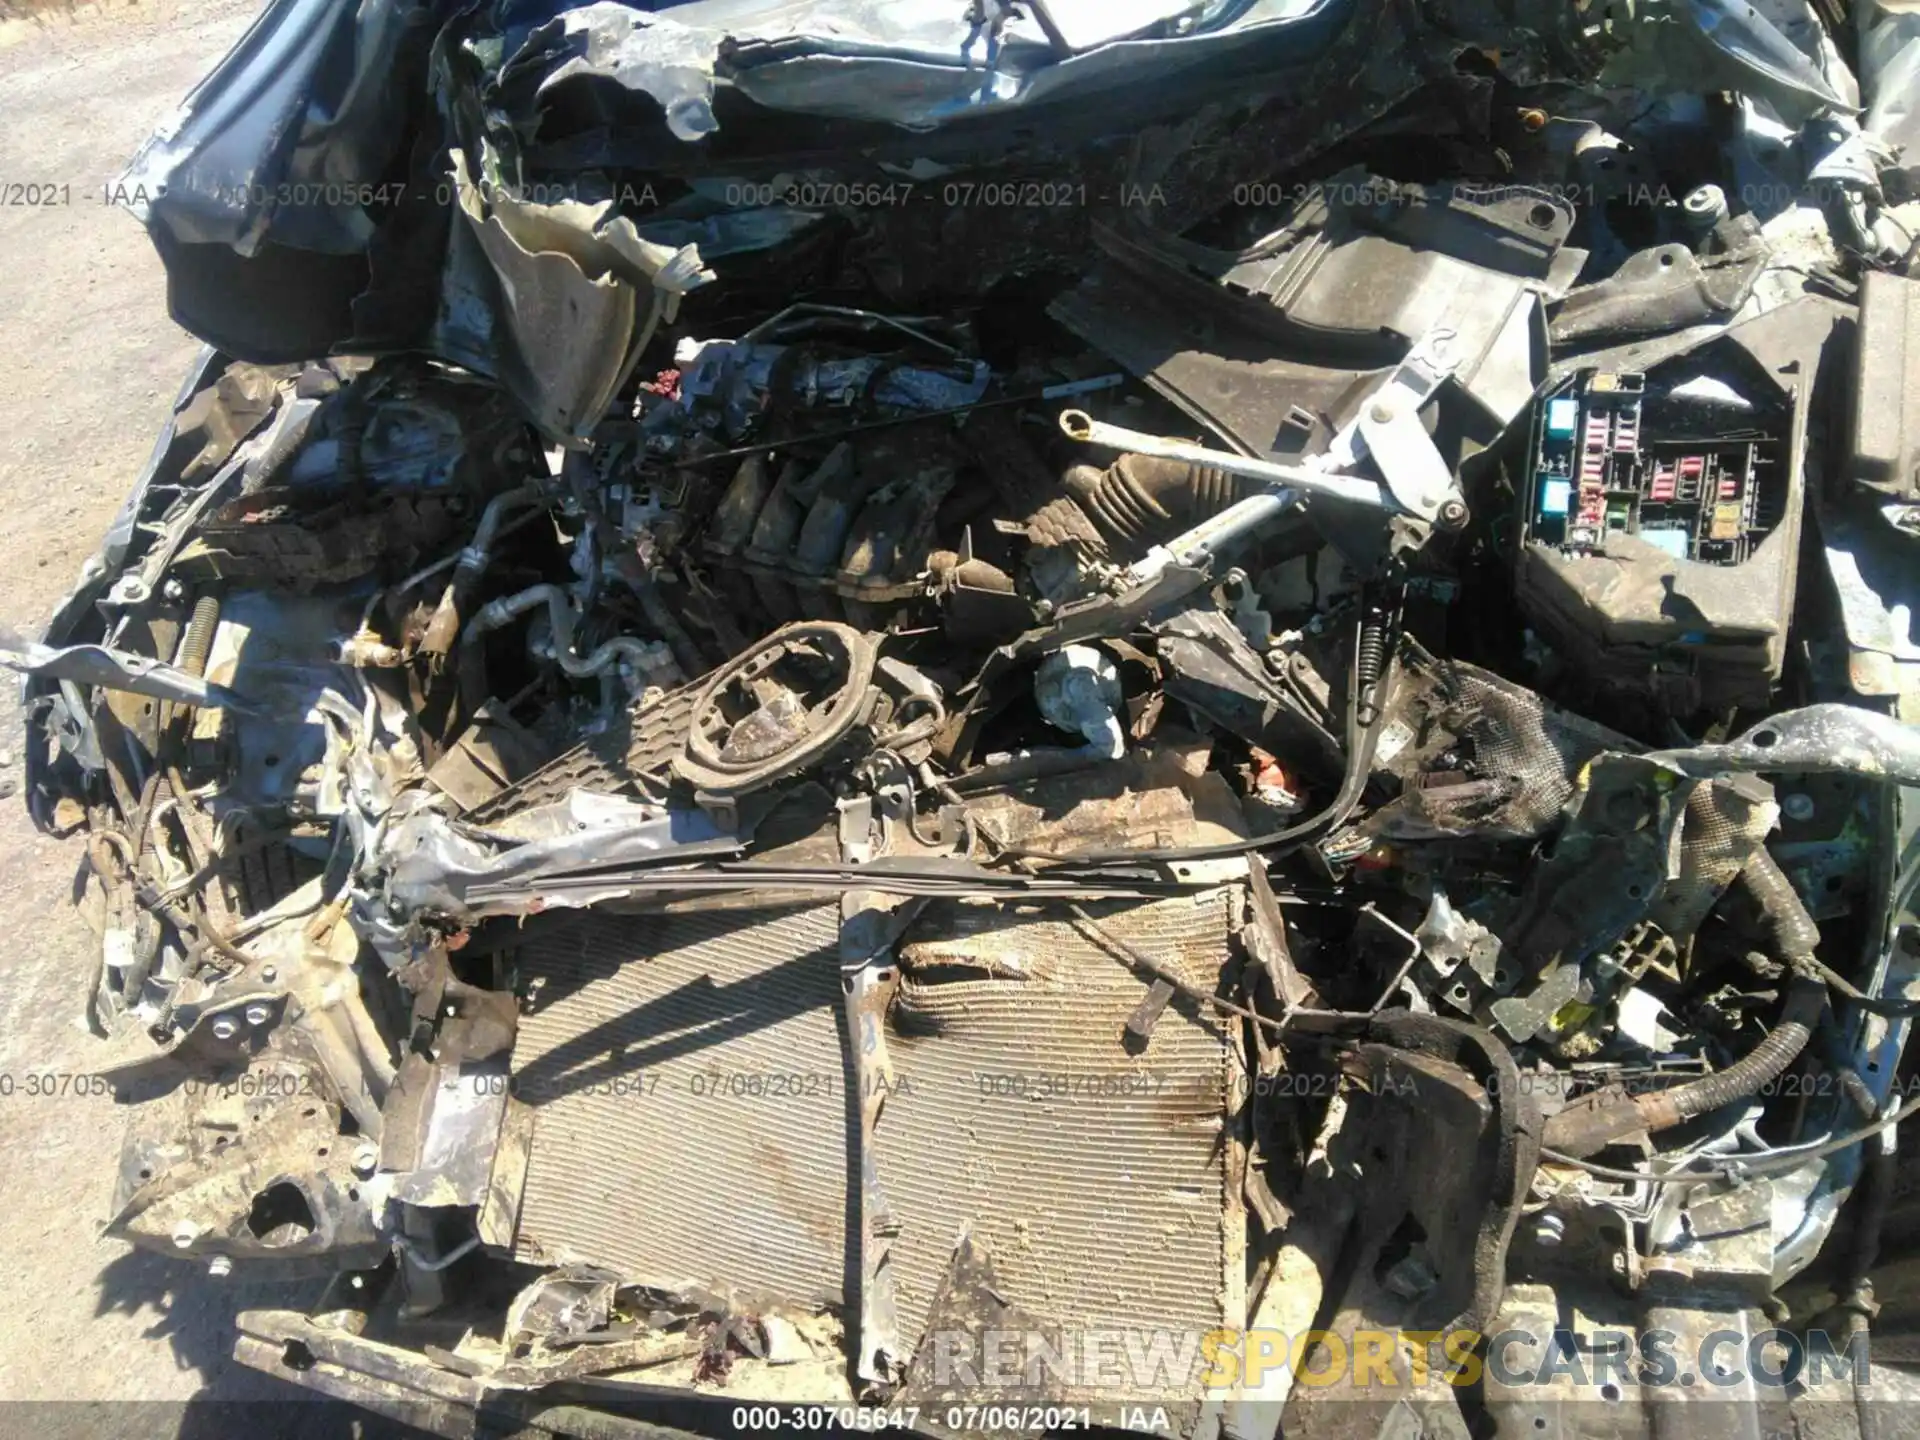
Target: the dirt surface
(89, 363)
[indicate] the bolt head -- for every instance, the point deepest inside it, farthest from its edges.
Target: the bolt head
(258, 1015)
(1798, 807)
(225, 1028)
(366, 1160)
(220, 1266)
(1382, 413)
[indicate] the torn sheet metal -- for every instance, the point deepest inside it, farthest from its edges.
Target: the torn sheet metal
(1777, 51)
(917, 65)
(448, 1157)
(261, 1174)
(577, 295)
(228, 142)
(117, 670)
(1820, 739)
(437, 861)
(1889, 44)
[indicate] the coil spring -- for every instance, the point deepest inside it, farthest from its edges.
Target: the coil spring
(1372, 659)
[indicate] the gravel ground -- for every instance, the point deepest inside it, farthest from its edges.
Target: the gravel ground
(135, 1344)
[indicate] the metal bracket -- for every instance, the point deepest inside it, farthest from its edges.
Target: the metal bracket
(1389, 430)
(856, 829)
(869, 976)
(111, 669)
(1828, 739)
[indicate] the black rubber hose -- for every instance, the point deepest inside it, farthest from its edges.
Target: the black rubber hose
(1792, 936)
(1791, 933)
(687, 655)
(1595, 1121)
(1752, 1072)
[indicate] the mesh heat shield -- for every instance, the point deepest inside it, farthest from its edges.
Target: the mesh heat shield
(1725, 823)
(1478, 756)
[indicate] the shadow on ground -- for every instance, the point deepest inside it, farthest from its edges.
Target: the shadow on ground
(197, 1313)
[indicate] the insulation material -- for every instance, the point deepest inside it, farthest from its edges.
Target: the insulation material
(686, 1079)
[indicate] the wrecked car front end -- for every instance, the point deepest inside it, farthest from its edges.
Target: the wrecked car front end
(1198, 720)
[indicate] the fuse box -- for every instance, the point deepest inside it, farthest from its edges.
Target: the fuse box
(1675, 467)
(1661, 508)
